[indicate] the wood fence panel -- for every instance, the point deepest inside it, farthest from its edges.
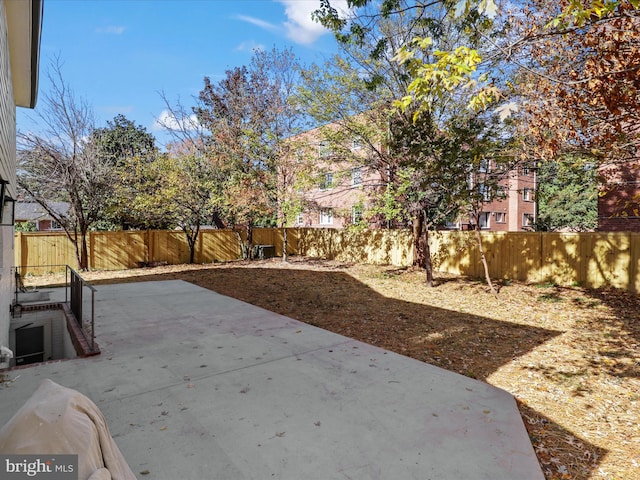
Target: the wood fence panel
(275, 237)
(53, 250)
(269, 236)
(118, 250)
(451, 252)
(610, 262)
(293, 235)
(218, 246)
(375, 246)
(634, 263)
(169, 246)
(315, 242)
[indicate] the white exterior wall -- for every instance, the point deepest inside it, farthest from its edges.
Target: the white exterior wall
(8, 172)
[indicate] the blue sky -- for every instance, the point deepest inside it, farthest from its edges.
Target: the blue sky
(119, 55)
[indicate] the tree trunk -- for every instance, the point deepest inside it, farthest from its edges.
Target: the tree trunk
(80, 247)
(284, 244)
(249, 240)
(418, 241)
(192, 253)
(192, 248)
(484, 261)
(217, 220)
(84, 253)
(192, 239)
(428, 266)
(76, 246)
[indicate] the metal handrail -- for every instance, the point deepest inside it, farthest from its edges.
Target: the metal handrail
(74, 287)
(73, 296)
(17, 277)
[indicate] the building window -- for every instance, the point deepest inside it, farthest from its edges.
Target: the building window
(501, 217)
(483, 220)
(356, 214)
(484, 166)
(300, 219)
(528, 220)
(326, 181)
(527, 194)
(526, 171)
(326, 216)
(485, 191)
(356, 144)
(55, 225)
(323, 150)
(356, 176)
(452, 225)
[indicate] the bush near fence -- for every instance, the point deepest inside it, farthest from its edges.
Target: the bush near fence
(589, 259)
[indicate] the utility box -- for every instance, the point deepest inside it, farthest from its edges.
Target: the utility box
(260, 252)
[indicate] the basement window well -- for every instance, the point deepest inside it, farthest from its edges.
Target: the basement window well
(43, 333)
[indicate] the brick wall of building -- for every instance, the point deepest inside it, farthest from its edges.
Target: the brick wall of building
(619, 201)
(619, 209)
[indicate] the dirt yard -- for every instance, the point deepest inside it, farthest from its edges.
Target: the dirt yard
(570, 356)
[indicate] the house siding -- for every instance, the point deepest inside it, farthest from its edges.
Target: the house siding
(7, 172)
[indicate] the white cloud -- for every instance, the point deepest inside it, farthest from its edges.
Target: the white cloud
(167, 121)
(111, 30)
(249, 46)
(300, 27)
(257, 22)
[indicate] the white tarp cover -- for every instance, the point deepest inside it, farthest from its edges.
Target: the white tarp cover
(59, 420)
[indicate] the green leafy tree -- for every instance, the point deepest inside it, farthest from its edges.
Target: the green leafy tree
(137, 201)
(25, 227)
(131, 150)
(567, 195)
(424, 130)
(191, 192)
(122, 139)
(182, 190)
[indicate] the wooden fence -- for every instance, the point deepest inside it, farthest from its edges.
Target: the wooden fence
(589, 259)
(40, 252)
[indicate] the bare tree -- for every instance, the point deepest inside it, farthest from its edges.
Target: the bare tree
(59, 162)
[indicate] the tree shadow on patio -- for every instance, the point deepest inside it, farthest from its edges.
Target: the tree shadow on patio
(468, 344)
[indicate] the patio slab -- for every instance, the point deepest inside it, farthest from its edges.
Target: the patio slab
(194, 384)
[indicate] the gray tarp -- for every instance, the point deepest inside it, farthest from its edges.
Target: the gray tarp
(58, 420)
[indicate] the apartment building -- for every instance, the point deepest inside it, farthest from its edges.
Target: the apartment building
(343, 191)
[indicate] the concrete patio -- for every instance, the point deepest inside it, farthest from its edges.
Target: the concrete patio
(196, 385)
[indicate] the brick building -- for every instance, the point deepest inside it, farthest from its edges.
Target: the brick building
(619, 201)
(343, 191)
(33, 212)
